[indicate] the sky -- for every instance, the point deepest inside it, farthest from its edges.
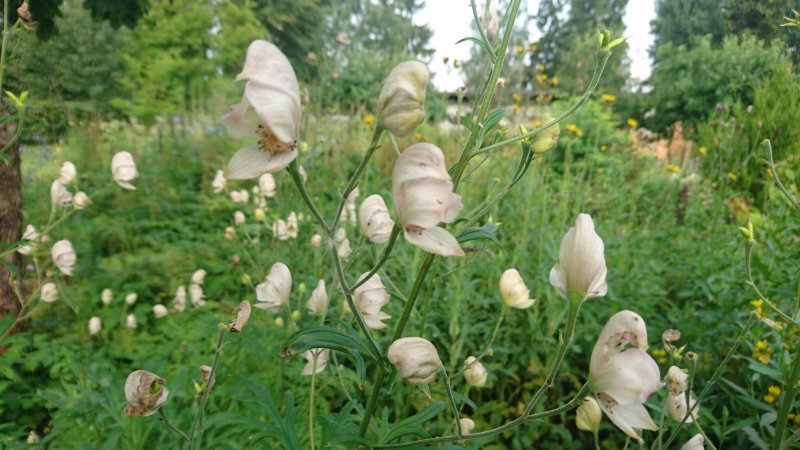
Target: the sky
(450, 21)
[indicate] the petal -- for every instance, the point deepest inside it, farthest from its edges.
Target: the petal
(435, 240)
(628, 418)
(426, 202)
(252, 162)
(628, 377)
(557, 280)
(582, 259)
(277, 106)
(126, 185)
(241, 120)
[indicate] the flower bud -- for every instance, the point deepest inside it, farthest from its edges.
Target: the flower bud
(547, 139)
(415, 359)
(199, 276)
(369, 298)
(321, 355)
(588, 415)
(581, 269)
(259, 215)
(297, 315)
(229, 233)
(130, 321)
(316, 241)
(206, 378)
(159, 310)
(218, 184)
(33, 436)
(31, 236)
(236, 196)
(145, 393)
(95, 325)
(474, 372)
(131, 298)
(107, 296)
(242, 316)
(467, 425)
(274, 292)
(266, 184)
(59, 195)
(81, 200)
(49, 293)
(238, 218)
(374, 219)
(197, 296)
(67, 173)
(64, 256)
(123, 170)
(697, 442)
(513, 290)
(344, 250)
(278, 321)
(279, 230)
(318, 303)
(402, 98)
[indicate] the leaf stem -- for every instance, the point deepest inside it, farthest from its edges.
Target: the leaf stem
(197, 432)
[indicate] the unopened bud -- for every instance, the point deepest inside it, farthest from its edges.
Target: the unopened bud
(547, 139)
(296, 315)
(279, 322)
(246, 279)
(402, 98)
(588, 415)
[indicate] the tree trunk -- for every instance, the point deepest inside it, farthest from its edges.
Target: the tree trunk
(10, 221)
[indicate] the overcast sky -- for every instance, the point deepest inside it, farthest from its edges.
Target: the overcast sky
(450, 21)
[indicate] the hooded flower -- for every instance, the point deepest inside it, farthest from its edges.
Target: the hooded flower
(280, 230)
(95, 325)
(315, 241)
(677, 384)
(131, 298)
(270, 110)
(581, 269)
(695, 443)
(199, 276)
(266, 184)
(369, 298)
(238, 218)
(219, 181)
(274, 292)
(130, 321)
(374, 218)
(81, 200)
(588, 415)
(423, 198)
(467, 425)
(64, 256)
(145, 393)
(513, 290)
(67, 173)
(107, 296)
(321, 355)
(59, 195)
(474, 372)
(31, 236)
(623, 377)
(160, 311)
(415, 359)
(350, 205)
(196, 295)
(401, 103)
(318, 303)
(291, 225)
(49, 292)
(123, 169)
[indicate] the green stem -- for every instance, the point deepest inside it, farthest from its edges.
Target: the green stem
(750, 282)
(351, 185)
(197, 432)
(372, 401)
(786, 403)
(169, 424)
(384, 257)
(783, 189)
(5, 44)
(311, 400)
(294, 172)
(452, 400)
(479, 26)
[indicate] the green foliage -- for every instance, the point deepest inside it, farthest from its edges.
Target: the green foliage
(679, 22)
(238, 27)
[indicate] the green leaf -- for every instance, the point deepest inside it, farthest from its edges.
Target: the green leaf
(488, 231)
(467, 122)
(480, 43)
(488, 124)
(325, 336)
(413, 425)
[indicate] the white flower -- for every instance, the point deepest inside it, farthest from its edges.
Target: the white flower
(676, 407)
(513, 290)
(270, 110)
(238, 218)
(622, 377)
(423, 198)
(95, 325)
(31, 236)
(229, 233)
(199, 276)
(415, 358)
(130, 321)
(474, 372)
(33, 437)
(196, 294)
(107, 296)
(318, 303)
(291, 225)
(179, 302)
(374, 219)
(274, 292)
(244, 195)
(581, 269)
(159, 310)
(280, 230)
(49, 292)
(588, 415)
(123, 169)
(369, 298)
(677, 381)
(145, 393)
(695, 443)
(131, 298)
(218, 183)
(401, 103)
(350, 205)
(67, 173)
(59, 195)
(467, 425)
(236, 197)
(344, 249)
(64, 256)
(266, 184)
(321, 355)
(81, 200)
(316, 240)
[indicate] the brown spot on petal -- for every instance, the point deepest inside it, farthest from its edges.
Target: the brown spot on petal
(269, 142)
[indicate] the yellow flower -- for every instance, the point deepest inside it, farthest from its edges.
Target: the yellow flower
(572, 128)
(673, 168)
(603, 148)
(554, 80)
(774, 390)
(541, 78)
(758, 304)
(419, 137)
(368, 119)
(702, 150)
(520, 49)
(633, 123)
(762, 352)
(540, 68)
(516, 97)
(732, 176)
(516, 107)
(608, 98)
(769, 398)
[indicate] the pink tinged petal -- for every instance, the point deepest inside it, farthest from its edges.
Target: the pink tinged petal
(628, 418)
(277, 106)
(418, 161)
(435, 240)
(622, 329)
(252, 162)
(241, 120)
(628, 377)
(557, 280)
(427, 200)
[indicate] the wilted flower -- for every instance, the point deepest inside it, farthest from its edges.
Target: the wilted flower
(196, 295)
(316, 240)
(423, 198)
(95, 325)
(218, 183)
(81, 200)
(467, 425)
(677, 381)
(159, 310)
(513, 290)
(229, 233)
(59, 195)
(668, 337)
(624, 378)
(64, 256)
(474, 372)
(145, 393)
(107, 296)
(274, 292)
(67, 173)
(30, 236)
(291, 225)
(401, 103)
(130, 321)
(318, 303)
(697, 442)
(588, 415)
(374, 218)
(415, 359)
(270, 109)
(242, 316)
(199, 276)
(581, 269)
(238, 218)
(266, 183)
(49, 292)
(131, 298)
(369, 298)
(321, 355)
(123, 169)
